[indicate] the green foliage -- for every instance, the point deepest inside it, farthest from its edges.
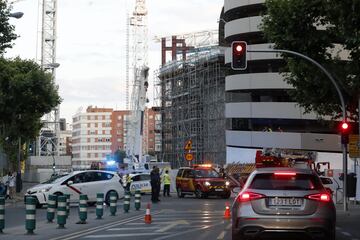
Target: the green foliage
(26, 94)
(7, 34)
(119, 156)
(294, 25)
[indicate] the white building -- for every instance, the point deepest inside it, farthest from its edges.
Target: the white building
(65, 142)
(91, 138)
(257, 97)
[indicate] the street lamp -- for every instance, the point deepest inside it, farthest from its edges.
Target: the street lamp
(16, 15)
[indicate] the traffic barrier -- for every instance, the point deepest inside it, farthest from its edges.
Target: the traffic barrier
(113, 203)
(2, 214)
(227, 214)
(67, 205)
(99, 205)
(137, 200)
(30, 220)
(83, 209)
(51, 207)
(127, 202)
(61, 211)
(148, 214)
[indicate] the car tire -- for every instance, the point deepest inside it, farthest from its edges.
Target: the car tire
(180, 193)
(107, 197)
(198, 193)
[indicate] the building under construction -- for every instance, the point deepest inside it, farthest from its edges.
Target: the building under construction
(191, 93)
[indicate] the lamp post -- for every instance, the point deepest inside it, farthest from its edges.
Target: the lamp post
(16, 15)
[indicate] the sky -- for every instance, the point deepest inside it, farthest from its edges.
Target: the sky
(91, 40)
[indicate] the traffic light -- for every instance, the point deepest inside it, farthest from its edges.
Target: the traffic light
(344, 130)
(239, 61)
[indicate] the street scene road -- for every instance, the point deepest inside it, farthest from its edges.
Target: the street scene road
(172, 218)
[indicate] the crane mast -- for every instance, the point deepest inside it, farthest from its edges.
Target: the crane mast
(139, 47)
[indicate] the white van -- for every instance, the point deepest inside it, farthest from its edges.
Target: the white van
(89, 182)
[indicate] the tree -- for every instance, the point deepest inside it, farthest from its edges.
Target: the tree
(7, 34)
(26, 94)
(119, 156)
(317, 29)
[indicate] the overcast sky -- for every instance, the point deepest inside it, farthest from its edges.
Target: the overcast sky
(91, 43)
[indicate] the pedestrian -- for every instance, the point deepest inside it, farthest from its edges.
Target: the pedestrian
(6, 181)
(128, 182)
(158, 181)
(153, 184)
(12, 184)
(167, 183)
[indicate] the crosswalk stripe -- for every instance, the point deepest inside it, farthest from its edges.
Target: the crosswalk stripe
(123, 235)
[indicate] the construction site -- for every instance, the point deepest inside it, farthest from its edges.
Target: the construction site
(190, 90)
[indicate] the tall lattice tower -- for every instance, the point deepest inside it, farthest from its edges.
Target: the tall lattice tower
(139, 61)
(48, 142)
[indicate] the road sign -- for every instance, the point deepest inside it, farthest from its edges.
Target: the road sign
(188, 145)
(354, 150)
(189, 156)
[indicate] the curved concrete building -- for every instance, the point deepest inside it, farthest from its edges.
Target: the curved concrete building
(258, 98)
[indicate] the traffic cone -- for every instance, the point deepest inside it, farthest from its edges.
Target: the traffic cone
(227, 214)
(148, 215)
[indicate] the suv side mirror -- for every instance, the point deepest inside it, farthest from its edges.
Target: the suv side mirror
(70, 183)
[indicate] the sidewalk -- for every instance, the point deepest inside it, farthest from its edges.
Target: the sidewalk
(19, 197)
(347, 222)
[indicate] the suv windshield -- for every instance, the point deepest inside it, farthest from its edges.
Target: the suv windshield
(269, 181)
(206, 173)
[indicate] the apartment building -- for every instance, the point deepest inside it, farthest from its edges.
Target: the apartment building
(99, 132)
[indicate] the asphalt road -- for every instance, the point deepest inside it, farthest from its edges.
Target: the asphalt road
(172, 218)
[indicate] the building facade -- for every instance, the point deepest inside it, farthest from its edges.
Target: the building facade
(152, 133)
(259, 110)
(99, 132)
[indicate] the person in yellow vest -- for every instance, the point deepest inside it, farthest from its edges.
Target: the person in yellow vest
(167, 182)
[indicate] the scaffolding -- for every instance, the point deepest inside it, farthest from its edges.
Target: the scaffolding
(191, 96)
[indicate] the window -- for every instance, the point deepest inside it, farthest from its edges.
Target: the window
(144, 177)
(188, 173)
(269, 181)
(151, 117)
(180, 172)
(119, 117)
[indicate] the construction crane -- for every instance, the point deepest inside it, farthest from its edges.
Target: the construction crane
(48, 140)
(137, 22)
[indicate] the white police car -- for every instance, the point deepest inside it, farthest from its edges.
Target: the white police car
(140, 181)
(89, 182)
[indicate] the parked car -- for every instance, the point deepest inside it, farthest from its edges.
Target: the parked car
(88, 182)
(201, 181)
(278, 201)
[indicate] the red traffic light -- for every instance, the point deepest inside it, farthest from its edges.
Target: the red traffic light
(344, 126)
(239, 49)
(239, 61)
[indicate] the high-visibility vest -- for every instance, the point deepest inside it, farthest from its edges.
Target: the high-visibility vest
(166, 179)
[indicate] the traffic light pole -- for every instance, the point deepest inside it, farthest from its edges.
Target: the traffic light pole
(344, 145)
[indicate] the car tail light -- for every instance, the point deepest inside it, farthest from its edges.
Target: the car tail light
(321, 197)
(285, 174)
(249, 196)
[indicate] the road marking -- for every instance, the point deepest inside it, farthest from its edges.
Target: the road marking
(346, 234)
(172, 225)
(221, 236)
(228, 226)
(123, 235)
(131, 228)
(100, 228)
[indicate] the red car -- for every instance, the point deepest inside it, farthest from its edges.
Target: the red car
(202, 181)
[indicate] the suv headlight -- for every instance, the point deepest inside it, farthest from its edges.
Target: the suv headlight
(207, 183)
(227, 183)
(45, 190)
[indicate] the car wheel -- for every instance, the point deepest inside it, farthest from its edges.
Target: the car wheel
(180, 193)
(107, 197)
(91, 204)
(198, 193)
(39, 205)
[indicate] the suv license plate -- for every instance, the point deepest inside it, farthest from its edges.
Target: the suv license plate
(218, 190)
(285, 202)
